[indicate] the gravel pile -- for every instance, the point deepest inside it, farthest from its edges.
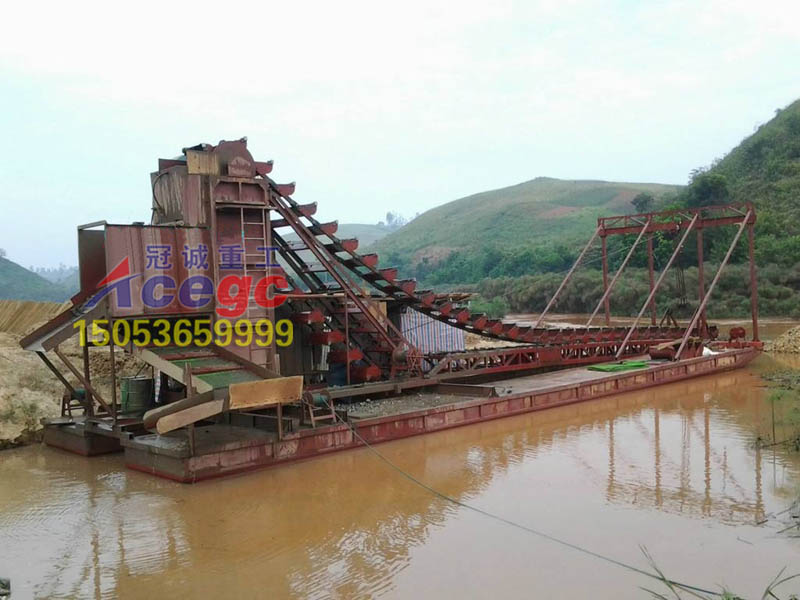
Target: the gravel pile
(788, 342)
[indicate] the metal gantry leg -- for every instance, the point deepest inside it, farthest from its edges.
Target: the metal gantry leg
(652, 273)
(604, 301)
(701, 278)
(609, 287)
(702, 306)
(753, 280)
(675, 253)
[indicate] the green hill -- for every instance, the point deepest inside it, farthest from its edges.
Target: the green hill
(538, 226)
(513, 245)
(18, 283)
(367, 234)
(765, 169)
(71, 284)
(532, 227)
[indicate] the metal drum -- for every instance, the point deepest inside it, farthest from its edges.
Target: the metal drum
(137, 394)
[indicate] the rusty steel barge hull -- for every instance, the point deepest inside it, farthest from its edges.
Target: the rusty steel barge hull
(222, 450)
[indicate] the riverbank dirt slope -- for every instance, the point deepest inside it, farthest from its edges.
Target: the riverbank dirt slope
(30, 392)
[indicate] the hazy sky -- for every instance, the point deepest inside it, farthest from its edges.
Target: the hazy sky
(372, 106)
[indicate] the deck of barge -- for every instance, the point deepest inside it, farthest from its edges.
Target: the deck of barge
(420, 400)
(225, 449)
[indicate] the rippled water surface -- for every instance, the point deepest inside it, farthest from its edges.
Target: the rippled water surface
(674, 469)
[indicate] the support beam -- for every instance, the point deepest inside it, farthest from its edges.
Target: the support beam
(87, 377)
(707, 296)
(608, 288)
(191, 393)
(710, 216)
(113, 382)
(566, 278)
(604, 301)
(753, 281)
(701, 284)
(56, 372)
(651, 270)
(675, 253)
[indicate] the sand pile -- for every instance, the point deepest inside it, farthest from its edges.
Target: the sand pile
(787, 342)
(29, 391)
(473, 341)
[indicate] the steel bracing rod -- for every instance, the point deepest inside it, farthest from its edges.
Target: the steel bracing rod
(313, 282)
(315, 285)
(312, 243)
(113, 381)
(56, 372)
(651, 278)
(706, 298)
(354, 285)
(80, 377)
(624, 264)
(652, 294)
(566, 278)
(753, 281)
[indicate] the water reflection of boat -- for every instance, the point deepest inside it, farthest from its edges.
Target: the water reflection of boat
(346, 523)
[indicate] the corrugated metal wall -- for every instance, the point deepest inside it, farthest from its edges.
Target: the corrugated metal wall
(430, 335)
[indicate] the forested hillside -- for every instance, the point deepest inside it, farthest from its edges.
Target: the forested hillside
(513, 245)
(533, 227)
(18, 283)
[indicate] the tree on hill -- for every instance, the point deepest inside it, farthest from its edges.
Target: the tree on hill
(394, 221)
(643, 202)
(2, 252)
(707, 189)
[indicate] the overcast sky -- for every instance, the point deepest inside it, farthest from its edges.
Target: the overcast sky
(372, 106)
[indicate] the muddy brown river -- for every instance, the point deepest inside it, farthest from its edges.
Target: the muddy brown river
(673, 469)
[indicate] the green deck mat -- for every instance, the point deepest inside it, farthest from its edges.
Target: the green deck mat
(623, 366)
(223, 379)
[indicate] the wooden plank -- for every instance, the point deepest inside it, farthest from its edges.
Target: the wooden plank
(152, 416)
(189, 415)
(267, 392)
(171, 369)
